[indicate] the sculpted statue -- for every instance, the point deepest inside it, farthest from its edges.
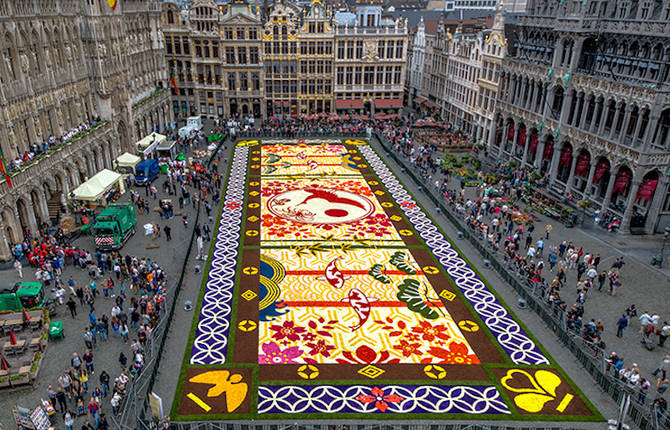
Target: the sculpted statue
(24, 63)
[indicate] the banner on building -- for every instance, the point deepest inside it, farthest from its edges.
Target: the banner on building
(533, 143)
(582, 165)
(647, 189)
(621, 181)
(548, 149)
(522, 137)
(566, 156)
(602, 167)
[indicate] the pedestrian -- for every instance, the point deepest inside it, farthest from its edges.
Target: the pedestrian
(89, 338)
(62, 402)
(621, 324)
(88, 359)
(51, 394)
(87, 426)
(547, 231)
(124, 332)
(102, 423)
(122, 359)
(104, 382)
(72, 306)
(68, 420)
(662, 367)
(167, 231)
(83, 379)
(663, 333)
(75, 361)
(184, 219)
(19, 268)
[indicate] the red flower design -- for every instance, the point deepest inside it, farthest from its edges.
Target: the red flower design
(408, 204)
(366, 355)
(381, 400)
(429, 332)
(320, 347)
(456, 354)
(408, 348)
(287, 330)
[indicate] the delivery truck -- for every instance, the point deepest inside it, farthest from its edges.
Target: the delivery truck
(114, 226)
(20, 296)
(146, 171)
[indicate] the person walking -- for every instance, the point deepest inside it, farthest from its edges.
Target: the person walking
(662, 367)
(167, 231)
(60, 396)
(621, 324)
(19, 268)
(68, 420)
(547, 231)
(88, 359)
(72, 306)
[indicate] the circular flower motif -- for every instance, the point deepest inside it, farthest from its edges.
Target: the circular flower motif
(288, 330)
(429, 332)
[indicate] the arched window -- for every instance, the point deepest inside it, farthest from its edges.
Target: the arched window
(9, 57)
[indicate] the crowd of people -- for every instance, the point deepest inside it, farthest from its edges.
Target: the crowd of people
(559, 271)
(35, 150)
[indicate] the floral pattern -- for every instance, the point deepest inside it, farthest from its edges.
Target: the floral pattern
(288, 331)
(380, 399)
(275, 355)
(457, 353)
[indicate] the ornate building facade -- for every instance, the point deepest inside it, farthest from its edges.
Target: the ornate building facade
(585, 100)
(214, 53)
(65, 62)
(284, 60)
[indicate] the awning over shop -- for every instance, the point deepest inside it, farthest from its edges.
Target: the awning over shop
(388, 103)
(148, 143)
(431, 105)
(95, 188)
(348, 104)
(127, 160)
(420, 100)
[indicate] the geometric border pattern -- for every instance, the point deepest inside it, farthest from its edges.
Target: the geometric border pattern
(459, 399)
(518, 345)
(211, 337)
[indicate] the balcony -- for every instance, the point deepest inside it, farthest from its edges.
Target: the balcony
(150, 97)
(38, 166)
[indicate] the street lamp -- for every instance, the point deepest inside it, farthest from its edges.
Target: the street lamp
(666, 233)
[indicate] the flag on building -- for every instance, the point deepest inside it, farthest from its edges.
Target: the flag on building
(173, 83)
(3, 170)
(112, 4)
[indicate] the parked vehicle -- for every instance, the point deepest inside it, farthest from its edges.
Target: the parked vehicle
(20, 296)
(114, 226)
(193, 124)
(146, 171)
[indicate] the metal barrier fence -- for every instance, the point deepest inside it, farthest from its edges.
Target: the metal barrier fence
(592, 359)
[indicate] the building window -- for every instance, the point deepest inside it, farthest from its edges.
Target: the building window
(340, 49)
(255, 81)
(240, 34)
(253, 55)
(368, 76)
(359, 49)
(381, 46)
(340, 76)
(389, 49)
(398, 49)
(198, 49)
(242, 55)
(185, 46)
(228, 33)
(232, 86)
(396, 78)
(350, 50)
(244, 83)
(230, 55)
(358, 72)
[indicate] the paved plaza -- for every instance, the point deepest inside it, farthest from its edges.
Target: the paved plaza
(641, 285)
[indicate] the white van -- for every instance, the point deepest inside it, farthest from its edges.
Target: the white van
(193, 124)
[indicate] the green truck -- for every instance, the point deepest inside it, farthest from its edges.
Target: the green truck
(20, 296)
(114, 225)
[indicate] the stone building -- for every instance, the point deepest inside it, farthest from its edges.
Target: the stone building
(370, 59)
(214, 54)
(472, 61)
(585, 100)
(65, 62)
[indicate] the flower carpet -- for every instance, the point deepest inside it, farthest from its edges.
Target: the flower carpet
(331, 294)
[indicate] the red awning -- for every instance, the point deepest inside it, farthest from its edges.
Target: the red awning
(349, 104)
(388, 103)
(431, 105)
(419, 100)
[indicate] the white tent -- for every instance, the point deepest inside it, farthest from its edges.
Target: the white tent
(95, 188)
(127, 160)
(148, 144)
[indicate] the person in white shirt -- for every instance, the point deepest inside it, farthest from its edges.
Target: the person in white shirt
(531, 252)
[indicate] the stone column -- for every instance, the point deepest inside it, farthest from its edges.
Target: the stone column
(549, 101)
(654, 117)
(638, 126)
(597, 112)
(571, 176)
(603, 118)
(517, 127)
(526, 147)
(536, 91)
(614, 122)
(554, 163)
(565, 109)
(592, 170)
(624, 126)
(656, 204)
(630, 201)
(539, 152)
(585, 111)
(608, 193)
